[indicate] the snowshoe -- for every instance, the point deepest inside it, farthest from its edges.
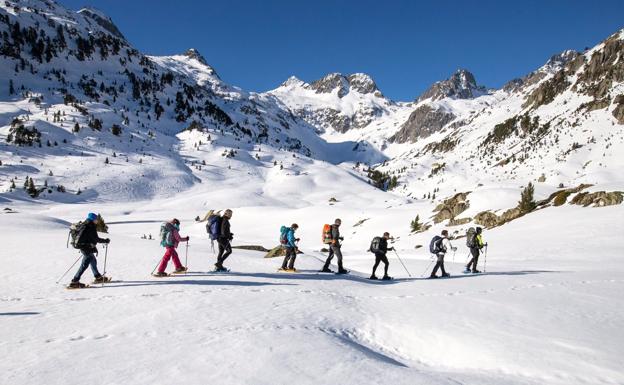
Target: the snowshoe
(387, 278)
(343, 271)
(326, 270)
(466, 271)
(433, 276)
(76, 285)
(476, 272)
(160, 275)
(181, 270)
(445, 275)
(221, 269)
(102, 279)
(373, 277)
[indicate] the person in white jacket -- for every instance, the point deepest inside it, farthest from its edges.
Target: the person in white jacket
(441, 246)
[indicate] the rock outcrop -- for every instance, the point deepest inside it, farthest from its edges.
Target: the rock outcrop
(461, 85)
(422, 122)
(451, 207)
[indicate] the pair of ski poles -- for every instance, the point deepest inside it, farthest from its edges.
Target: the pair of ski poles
(80, 256)
(185, 260)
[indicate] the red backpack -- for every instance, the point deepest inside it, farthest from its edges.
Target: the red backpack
(326, 236)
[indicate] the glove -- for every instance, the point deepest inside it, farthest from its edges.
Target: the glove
(297, 240)
(107, 241)
(188, 238)
(454, 248)
(391, 249)
(341, 238)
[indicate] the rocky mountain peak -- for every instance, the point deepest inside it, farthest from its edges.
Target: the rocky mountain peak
(558, 61)
(358, 82)
(192, 53)
(102, 20)
(293, 81)
(461, 85)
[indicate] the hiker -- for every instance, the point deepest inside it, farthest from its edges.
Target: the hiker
(86, 242)
(474, 241)
(334, 248)
(289, 243)
(170, 238)
(379, 246)
(224, 238)
(439, 246)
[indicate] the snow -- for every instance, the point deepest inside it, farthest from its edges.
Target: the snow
(546, 311)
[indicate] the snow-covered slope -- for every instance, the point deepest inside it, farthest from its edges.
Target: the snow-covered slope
(88, 123)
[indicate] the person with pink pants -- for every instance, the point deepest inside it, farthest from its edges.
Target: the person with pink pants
(171, 239)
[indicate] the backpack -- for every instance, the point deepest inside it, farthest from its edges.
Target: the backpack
(166, 234)
(284, 235)
(374, 246)
(75, 233)
(213, 227)
(471, 235)
(436, 244)
(326, 236)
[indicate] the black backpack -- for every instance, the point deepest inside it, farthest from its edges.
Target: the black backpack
(436, 244)
(76, 231)
(374, 246)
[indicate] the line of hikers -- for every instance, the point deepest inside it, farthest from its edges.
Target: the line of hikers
(84, 237)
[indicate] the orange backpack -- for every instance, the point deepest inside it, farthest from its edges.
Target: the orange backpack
(326, 236)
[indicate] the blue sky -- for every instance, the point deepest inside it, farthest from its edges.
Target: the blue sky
(404, 45)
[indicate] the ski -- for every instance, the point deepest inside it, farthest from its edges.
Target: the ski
(77, 288)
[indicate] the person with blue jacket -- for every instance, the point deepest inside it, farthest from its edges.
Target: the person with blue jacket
(289, 242)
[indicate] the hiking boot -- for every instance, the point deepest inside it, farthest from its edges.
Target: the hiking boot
(475, 272)
(445, 275)
(433, 276)
(373, 277)
(76, 285)
(182, 269)
(387, 278)
(343, 271)
(101, 279)
(221, 268)
(160, 274)
(326, 270)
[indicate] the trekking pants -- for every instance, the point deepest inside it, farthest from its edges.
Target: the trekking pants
(225, 249)
(439, 265)
(475, 259)
(291, 254)
(170, 253)
(334, 250)
(381, 257)
(88, 259)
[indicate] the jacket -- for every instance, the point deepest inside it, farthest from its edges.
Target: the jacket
(89, 238)
(479, 241)
(290, 238)
(225, 233)
(335, 232)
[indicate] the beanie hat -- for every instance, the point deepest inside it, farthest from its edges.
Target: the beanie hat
(92, 216)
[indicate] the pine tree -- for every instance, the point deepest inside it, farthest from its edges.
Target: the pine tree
(106, 161)
(527, 202)
(76, 128)
(415, 225)
(32, 190)
(26, 182)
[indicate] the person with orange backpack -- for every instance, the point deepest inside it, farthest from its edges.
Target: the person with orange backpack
(332, 238)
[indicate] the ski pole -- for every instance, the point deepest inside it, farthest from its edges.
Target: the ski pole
(68, 234)
(485, 259)
(186, 258)
(397, 254)
(155, 267)
(76, 261)
(427, 268)
(105, 259)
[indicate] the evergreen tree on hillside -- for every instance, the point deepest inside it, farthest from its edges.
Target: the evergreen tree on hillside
(527, 202)
(415, 225)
